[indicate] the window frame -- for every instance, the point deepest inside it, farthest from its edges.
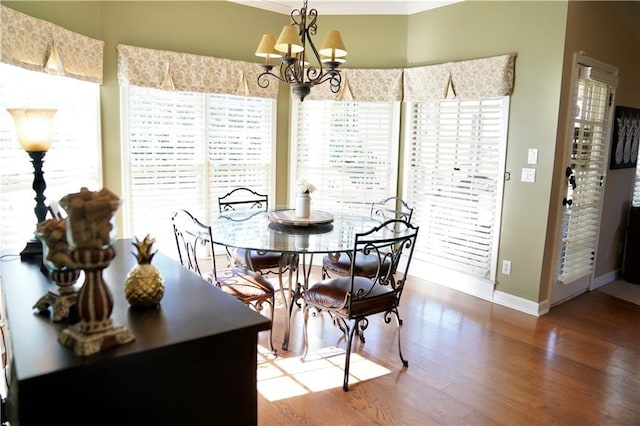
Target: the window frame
(360, 199)
(464, 278)
(204, 206)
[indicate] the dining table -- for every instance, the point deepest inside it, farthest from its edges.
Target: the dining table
(297, 238)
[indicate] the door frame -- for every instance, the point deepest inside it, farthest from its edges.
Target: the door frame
(607, 74)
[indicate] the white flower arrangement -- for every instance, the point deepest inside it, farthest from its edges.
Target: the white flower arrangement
(305, 187)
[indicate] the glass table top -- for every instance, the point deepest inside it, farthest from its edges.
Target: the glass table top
(260, 232)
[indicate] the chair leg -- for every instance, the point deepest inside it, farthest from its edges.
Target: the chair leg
(345, 383)
(404, 361)
(272, 308)
(325, 273)
(305, 336)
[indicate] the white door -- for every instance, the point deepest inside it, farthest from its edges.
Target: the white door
(585, 171)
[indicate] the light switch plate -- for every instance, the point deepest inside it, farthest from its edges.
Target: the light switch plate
(506, 267)
(528, 175)
(532, 157)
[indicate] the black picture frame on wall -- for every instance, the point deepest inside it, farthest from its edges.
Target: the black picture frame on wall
(626, 135)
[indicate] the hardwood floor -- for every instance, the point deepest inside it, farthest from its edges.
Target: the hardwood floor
(470, 363)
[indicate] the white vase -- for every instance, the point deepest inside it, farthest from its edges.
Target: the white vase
(303, 205)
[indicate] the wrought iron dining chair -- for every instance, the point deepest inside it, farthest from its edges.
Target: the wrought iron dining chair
(241, 204)
(194, 241)
(350, 300)
(340, 264)
(245, 200)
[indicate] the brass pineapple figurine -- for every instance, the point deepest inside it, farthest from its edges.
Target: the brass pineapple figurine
(144, 286)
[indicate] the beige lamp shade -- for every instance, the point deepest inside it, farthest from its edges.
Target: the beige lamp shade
(34, 128)
(266, 48)
(289, 40)
(332, 47)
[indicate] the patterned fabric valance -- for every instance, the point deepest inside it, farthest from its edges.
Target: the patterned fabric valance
(167, 70)
(28, 42)
(363, 85)
(473, 79)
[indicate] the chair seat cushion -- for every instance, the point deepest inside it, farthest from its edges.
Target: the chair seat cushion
(243, 284)
(366, 264)
(331, 293)
(259, 260)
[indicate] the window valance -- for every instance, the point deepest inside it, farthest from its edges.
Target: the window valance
(168, 70)
(28, 42)
(363, 85)
(473, 79)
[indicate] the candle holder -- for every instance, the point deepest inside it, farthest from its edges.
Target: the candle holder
(95, 331)
(89, 232)
(63, 298)
(59, 267)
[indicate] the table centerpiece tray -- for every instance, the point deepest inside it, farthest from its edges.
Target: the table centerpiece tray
(278, 228)
(288, 217)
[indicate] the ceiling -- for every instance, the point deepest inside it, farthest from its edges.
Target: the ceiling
(350, 7)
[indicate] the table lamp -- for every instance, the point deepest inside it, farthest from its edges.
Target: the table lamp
(34, 129)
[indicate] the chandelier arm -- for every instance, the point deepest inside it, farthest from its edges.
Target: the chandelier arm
(334, 78)
(263, 78)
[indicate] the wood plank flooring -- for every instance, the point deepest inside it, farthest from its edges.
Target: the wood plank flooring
(470, 363)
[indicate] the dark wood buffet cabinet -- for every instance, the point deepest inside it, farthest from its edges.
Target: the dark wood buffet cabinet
(193, 360)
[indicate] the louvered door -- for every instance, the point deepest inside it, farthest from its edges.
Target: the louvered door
(585, 172)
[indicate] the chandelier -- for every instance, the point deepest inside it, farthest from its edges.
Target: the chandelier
(296, 48)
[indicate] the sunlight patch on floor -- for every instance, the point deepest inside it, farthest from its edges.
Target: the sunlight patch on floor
(280, 378)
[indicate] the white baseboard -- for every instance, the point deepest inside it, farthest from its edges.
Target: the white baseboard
(605, 279)
(520, 304)
(478, 287)
(455, 280)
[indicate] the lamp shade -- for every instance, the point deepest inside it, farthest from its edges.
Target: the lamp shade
(289, 40)
(266, 48)
(34, 128)
(332, 46)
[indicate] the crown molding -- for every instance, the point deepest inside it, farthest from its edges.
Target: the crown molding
(350, 7)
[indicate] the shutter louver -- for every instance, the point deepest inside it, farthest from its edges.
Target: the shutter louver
(588, 163)
(454, 181)
(167, 159)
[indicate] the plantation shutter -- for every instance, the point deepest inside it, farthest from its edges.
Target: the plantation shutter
(167, 160)
(74, 159)
(454, 181)
(185, 149)
(587, 166)
(349, 151)
(636, 189)
(241, 152)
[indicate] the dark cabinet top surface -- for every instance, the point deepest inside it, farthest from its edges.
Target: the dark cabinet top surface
(191, 310)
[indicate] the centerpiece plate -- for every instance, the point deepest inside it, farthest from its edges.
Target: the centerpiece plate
(288, 217)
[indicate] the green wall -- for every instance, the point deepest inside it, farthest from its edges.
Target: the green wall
(534, 31)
